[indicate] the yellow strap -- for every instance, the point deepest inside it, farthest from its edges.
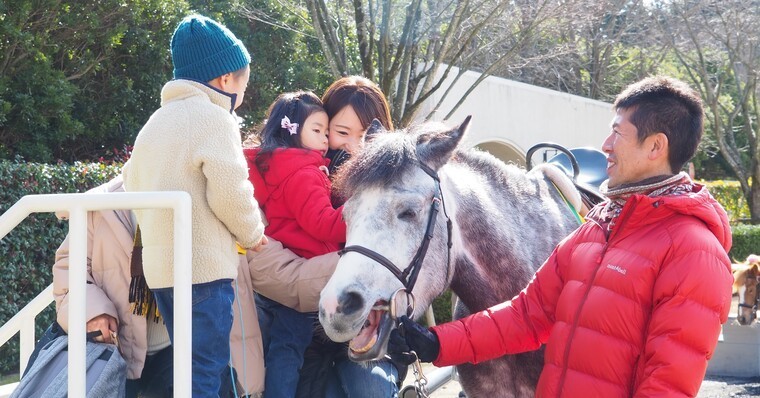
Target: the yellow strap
(240, 249)
(577, 215)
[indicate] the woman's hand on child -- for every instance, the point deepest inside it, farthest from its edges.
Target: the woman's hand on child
(106, 324)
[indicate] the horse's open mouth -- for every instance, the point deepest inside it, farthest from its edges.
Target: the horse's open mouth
(370, 344)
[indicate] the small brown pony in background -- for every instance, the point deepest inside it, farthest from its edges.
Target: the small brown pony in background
(746, 280)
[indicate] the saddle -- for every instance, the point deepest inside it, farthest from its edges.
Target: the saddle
(586, 167)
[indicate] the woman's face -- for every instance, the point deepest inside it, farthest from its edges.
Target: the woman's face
(346, 131)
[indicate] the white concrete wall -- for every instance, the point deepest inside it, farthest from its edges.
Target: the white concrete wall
(738, 351)
(522, 115)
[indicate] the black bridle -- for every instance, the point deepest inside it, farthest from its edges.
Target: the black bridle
(408, 277)
(754, 305)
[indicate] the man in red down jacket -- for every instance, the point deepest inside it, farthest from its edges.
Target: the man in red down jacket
(631, 303)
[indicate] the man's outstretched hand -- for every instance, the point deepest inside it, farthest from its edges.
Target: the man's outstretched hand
(411, 336)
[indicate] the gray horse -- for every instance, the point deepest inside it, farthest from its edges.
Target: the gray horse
(504, 223)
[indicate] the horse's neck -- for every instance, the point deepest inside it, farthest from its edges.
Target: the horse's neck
(479, 290)
(492, 267)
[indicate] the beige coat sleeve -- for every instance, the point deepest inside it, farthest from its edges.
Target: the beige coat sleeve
(293, 281)
(97, 301)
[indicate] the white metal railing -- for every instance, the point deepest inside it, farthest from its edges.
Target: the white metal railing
(23, 323)
(434, 380)
(77, 205)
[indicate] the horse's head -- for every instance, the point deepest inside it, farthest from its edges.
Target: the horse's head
(395, 202)
(746, 285)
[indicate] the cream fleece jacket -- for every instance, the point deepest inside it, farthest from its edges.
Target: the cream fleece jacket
(192, 144)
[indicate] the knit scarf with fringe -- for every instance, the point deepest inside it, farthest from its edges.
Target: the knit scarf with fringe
(140, 296)
(608, 212)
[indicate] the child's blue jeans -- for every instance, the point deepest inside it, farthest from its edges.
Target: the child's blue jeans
(286, 333)
(212, 322)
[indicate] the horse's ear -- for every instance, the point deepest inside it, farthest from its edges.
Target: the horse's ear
(435, 149)
(753, 259)
(374, 128)
(465, 124)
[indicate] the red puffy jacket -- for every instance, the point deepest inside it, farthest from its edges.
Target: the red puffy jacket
(637, 314)
(294, 195)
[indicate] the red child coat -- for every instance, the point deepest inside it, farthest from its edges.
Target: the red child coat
(294, 195)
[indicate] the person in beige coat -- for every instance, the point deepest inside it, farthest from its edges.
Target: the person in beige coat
(275, 271)
(192, 144)
(143, 342)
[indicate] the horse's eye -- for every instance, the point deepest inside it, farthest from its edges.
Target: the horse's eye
(407, 215)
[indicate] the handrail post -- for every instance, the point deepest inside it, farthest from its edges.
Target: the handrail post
(26, 343)
(77, 300)
(183, 325)
(78, 206)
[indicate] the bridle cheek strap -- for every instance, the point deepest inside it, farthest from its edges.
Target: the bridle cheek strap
(752, 307)
(408, 277)
(416, 265)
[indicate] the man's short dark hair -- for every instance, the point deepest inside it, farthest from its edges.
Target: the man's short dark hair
(667, 105)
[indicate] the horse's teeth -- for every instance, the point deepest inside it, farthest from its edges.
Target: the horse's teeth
(364, 349)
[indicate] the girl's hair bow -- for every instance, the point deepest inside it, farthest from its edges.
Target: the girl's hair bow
(286, 124)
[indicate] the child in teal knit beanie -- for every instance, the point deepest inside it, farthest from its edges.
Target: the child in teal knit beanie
(192, 144)
(205, 51)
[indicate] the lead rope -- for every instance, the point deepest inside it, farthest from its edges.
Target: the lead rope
(420, 381)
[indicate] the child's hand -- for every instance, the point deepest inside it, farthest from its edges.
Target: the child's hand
(260, 246)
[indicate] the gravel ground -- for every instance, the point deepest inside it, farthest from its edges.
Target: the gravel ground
(712, 387)
(720, 387)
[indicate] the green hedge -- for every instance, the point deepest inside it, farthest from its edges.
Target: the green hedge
(746, 236)
(28, 251)
(729, 194)
(746, 241)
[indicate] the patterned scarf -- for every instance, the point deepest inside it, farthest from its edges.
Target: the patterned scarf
(608, 212)
(141, 298)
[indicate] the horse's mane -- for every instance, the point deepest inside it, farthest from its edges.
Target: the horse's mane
(739, 271)
(384, 159)
(388, 156)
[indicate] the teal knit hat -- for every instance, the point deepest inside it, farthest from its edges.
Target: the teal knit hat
(203, 49)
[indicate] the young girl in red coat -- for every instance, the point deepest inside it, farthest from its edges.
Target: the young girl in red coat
(289, 176)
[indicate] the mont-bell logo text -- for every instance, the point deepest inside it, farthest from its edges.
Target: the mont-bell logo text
(617, 268)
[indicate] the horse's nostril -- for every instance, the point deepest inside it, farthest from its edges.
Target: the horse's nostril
(349, 303)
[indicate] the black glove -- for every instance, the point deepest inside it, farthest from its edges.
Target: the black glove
(411, 336)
